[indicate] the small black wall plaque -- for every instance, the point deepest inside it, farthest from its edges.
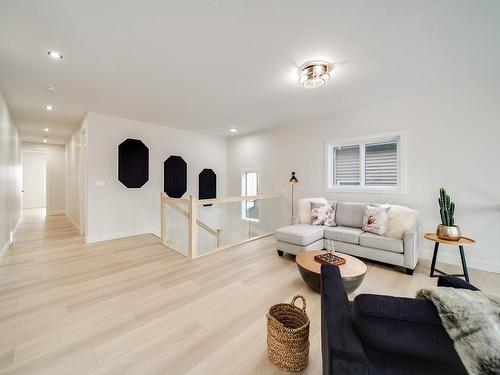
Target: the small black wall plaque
(175, 176)
(133, 163)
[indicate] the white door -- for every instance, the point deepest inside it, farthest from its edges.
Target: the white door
(34, 178)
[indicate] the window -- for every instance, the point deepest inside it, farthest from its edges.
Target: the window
(367, 164)
(250, 185)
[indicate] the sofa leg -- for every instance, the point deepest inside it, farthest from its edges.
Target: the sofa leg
(280, 253)
(409, 271)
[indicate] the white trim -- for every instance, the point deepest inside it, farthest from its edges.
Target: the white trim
(244, 211)
(55, 212)
(10, 240)
(77, 227)
(402, 152)
(115, 235)
(454, 259)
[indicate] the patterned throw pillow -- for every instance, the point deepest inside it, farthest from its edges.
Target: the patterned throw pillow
(323, 214)
(375, 219)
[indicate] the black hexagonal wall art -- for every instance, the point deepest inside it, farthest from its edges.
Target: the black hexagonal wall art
(207, 185)
(175, 176)
(133, 163)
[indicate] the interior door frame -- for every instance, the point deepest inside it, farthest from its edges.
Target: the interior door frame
(47, 182)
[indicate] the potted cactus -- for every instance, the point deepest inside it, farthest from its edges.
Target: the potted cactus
(447, 230)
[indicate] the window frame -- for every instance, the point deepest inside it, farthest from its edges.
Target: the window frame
(362, 142)
(244, 209)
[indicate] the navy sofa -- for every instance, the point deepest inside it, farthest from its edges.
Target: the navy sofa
(378, 334)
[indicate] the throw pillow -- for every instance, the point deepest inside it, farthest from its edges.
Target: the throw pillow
(323, 214)
(401, 220)
(375, 219)
(304, 208)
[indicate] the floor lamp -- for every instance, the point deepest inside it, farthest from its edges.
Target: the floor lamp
(293, 181)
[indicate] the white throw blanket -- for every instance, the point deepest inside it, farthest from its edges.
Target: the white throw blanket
(472, 320)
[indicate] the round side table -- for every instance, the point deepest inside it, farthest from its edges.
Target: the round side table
(461, 243)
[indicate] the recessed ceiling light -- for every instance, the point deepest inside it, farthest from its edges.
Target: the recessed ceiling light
(233, 130)
(314, 74)
(49, 107)
(44, 141)
(51, 88)
(55, 55)
(46, 129)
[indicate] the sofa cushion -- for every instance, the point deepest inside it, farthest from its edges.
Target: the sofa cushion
(379, 242)
(300, 234)
(343, 234)
(350, 214)
(405, 326)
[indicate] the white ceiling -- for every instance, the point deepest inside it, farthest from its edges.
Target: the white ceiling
(209, 65)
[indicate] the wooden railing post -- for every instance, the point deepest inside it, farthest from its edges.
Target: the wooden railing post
(162, 220)
(218, 237)
(193, 215)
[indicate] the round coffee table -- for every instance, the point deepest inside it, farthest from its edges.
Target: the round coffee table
(352, 272)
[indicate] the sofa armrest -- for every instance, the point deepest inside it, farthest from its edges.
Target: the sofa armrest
(455, 282)
(342, 349)
(410, 248)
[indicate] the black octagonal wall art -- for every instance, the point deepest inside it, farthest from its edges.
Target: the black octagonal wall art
(207, 185)
(175, 176)
(133, 163)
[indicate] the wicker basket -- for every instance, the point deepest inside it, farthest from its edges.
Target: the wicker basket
(288, 335)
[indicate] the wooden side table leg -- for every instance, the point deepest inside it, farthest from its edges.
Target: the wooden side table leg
(464, 265)
(434, 256)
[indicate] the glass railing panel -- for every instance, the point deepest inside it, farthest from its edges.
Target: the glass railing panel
(218, 223)
(226, 226)
(269, 217)
(176, 226)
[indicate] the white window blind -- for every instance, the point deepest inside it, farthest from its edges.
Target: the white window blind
(250, 184)
(374, 164)
(381, 164)
(346, 169)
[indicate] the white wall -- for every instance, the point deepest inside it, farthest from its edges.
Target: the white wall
(453, 140)
(34, 164)
(56, 179)
(113, 210)
(74, 177)
(10, 176)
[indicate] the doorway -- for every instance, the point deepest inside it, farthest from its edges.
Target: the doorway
(34, 165)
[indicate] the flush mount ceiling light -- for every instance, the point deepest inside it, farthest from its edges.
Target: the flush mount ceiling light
(46, 129)
(49, 107)
(55, 55)
(233, 130)
(314, 74)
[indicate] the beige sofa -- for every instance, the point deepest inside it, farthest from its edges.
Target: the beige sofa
(347, 237)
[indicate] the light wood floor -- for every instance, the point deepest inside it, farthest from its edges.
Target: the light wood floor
(132, 306)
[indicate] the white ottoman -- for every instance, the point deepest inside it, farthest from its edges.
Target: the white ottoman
(299, 237)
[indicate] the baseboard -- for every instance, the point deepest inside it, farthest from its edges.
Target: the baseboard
(114, 236)
(72, 221)
(10, 241)
(4, 249)
(446, 257)
(55, 212)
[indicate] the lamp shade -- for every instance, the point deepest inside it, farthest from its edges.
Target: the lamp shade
(293, 179)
